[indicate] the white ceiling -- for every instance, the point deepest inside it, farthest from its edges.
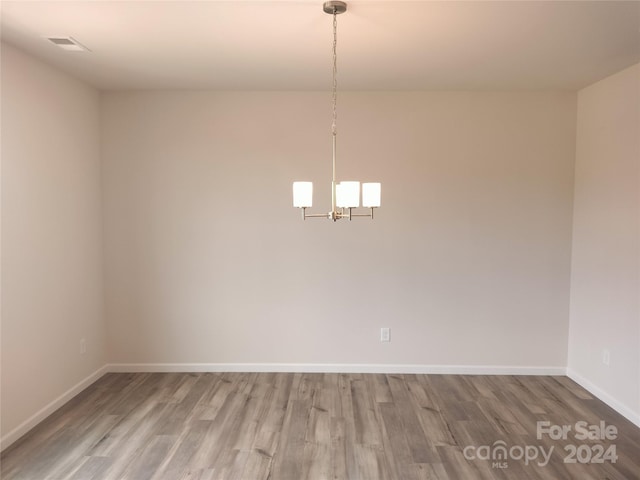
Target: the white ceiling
(286, 45)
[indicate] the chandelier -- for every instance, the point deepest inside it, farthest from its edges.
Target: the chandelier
(345, 196)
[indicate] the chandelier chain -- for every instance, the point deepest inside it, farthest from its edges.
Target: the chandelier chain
(335, 70)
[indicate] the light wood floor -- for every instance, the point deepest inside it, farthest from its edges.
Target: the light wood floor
(280, 426)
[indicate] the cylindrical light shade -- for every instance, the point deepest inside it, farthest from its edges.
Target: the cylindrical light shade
(370, 195)
(302, 194)
(339, 195)
(348, 194)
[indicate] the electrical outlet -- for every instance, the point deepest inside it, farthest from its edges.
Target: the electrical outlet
(83, 346)
(385, 334)
(606, 357)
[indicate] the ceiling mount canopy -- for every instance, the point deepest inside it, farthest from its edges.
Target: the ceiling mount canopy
(334, 7)
(345, 196)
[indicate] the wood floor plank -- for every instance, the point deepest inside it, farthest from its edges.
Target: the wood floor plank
(431, 471)
(338, 453)
(292, 441)
(92, 467)
(183, 450)
(394, 439)
(347, 416)
(367, 426)
(371, 463)
(421, 450)
(150, 458)
(315, 426)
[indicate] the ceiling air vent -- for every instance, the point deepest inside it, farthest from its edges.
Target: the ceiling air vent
(68, 43)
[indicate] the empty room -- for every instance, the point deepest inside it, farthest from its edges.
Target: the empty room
(296, 240)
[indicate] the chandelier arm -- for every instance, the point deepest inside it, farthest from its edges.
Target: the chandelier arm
(317, 215)
(363, 214)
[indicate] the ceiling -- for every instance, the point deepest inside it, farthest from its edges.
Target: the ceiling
(286, 45)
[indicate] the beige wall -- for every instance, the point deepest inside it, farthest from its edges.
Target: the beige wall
(467, 261)
(51, 238)
(605, 280)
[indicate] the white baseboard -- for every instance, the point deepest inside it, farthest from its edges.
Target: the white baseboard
(51, 407)
(619, 407)
(335, 368)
